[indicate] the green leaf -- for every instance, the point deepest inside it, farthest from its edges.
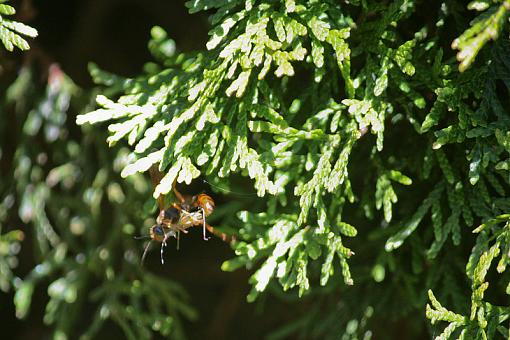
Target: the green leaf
(347, 229)
(381, 83)
(220, 32)
(397, 176)
(167, 181)
(143, 164)
(7, 10)
(483, 29)
(23, 299)
(239, 85)
(317, 53)
(319, 28)
(396, 240)
(403, 57)
(21, 28)
(337, 40)
(10, 30)
(445, 166)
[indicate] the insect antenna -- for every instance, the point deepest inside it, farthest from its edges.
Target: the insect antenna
(145, 251)
(142, 237)
(229, 191)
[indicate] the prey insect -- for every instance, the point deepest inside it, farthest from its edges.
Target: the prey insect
(189, 211)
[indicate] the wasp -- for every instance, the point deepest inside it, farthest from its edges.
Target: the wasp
(189, 211)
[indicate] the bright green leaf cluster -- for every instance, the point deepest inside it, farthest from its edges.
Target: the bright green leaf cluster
(11, 31)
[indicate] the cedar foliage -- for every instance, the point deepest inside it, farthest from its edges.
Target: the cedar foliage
(378, 148)
(10, 30)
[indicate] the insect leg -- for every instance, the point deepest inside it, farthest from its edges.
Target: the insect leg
(163, 244)
(177, 193)
(203, 221)
(156, 177)
(223, 236)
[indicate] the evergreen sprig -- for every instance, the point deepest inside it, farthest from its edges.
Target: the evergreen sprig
(11, 31)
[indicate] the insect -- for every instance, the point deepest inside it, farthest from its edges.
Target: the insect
(194, 210)
(166, 226)
(188, 212)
